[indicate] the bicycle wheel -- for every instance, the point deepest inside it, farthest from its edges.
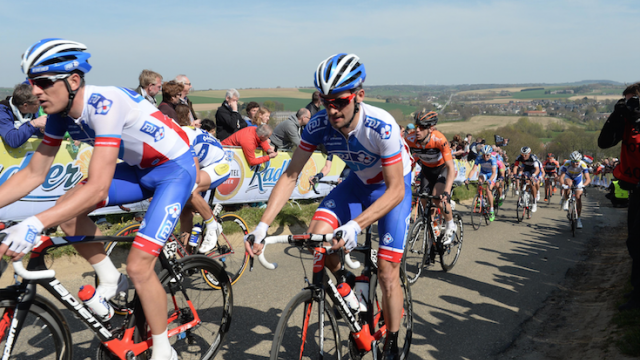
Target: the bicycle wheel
(44, 334)
(299, 333)
(476, 212)
(406, 325)
(520, 208)
(213, 307)
(415, 250)
(230, 248)
(496, 201)
(572, 217)
(449, 254)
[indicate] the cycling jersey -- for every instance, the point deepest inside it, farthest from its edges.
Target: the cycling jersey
(155, 151)
(375, 142)
(574, 172)
(434, 152)
(530, 165)
(550, 166)
(486, 166)
(210, 154)
(499, 161)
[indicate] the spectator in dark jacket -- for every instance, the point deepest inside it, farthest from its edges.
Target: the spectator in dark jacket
(287, 133)
(314, 105)
(171, 93)
(228, 119)
(17, 120)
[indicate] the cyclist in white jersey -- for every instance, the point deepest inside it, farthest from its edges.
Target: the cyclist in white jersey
(119, 124)
(368, 140)
(574, 172)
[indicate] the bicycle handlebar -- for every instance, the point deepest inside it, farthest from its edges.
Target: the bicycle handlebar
(19, 269)
(328, 182)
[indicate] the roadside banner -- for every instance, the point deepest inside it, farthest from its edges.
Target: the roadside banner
(245, 185)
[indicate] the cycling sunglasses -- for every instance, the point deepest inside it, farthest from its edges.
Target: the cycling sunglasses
(45, 82)
(424, 127)
(338, 103)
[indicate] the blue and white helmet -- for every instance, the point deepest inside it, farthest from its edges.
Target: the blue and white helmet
(487, 149)
(338, 73)
(575, 156)
(55, 56)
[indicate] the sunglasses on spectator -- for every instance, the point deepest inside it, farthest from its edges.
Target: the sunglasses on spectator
(45, 82)
(338, 103)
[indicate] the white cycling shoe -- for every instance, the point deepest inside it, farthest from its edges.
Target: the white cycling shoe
(517, 192)
(579, 224)
(565, 206)
(534, 207)
(449, 233)
(109, 292)
(210, 237)
(174, 355)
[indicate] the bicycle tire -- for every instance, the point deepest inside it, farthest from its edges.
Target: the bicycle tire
(406, 326)
(496, 201)
(230, 245)
(415, 250)
(45, 333)
(449, 254)
(214, 307)
(288, 340)
(520, 208)
(572, 217)
(476, 212)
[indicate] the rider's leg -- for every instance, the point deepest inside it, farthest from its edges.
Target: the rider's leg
(392, 297)
(490, 194)
(186, 222)
(437, 191)
(579, 201)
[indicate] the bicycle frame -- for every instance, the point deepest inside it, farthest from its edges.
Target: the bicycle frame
(122, 348)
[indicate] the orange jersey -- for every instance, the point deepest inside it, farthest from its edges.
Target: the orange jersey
(433, 153)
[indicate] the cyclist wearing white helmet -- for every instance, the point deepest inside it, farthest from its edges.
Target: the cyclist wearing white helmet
(528, 165)
(572, 173)
(119, 124)
(488, 165)
(368, 140)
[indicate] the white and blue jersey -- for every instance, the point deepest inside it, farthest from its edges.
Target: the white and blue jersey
(574, 172)
(374, 143)
(210, 154)
(155, 152)
(486, 166)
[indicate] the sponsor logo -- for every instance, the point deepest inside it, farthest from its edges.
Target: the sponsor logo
(102, 104)
(40, 69)
(364, 158)
(230, 187)
(65, 175)
(313, 125)
(72, 65)
(32, 234)
(266, 177)
(318, 263)
(171, 215)
(330, 204)
(157, 132)
(387, 239)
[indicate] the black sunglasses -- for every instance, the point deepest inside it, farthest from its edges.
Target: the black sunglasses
(45, 82)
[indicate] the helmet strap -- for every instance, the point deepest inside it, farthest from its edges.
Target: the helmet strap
(72, 95)
(357, 108)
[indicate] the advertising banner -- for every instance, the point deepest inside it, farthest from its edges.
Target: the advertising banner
(245, 185)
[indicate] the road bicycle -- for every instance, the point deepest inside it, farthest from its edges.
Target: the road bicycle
(525, 200)
(550, 187)
(304, 334)
(572, 213)
(229, 249)
(32, 327)
(421, 249)
(480, 206)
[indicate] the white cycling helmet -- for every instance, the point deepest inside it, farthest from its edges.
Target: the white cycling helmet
(525, 150)
(55, 55)
(487, 149)
(575, 156)
(338, 73)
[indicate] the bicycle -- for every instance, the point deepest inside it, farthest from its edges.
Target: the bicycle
(572, 213)
(367, 328)
(524, 200)
(480, 207)
(550, 187)
(421, 249)
(31, 326)
(230, 241)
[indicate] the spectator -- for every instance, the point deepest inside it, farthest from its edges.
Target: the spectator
(410, 130)
(228, 119)
(182, 115)
(171, 92)
(287, 133)
(251, 109)
(209, 126)
(457, 150)
(150, 85)
(314, 105)
(249, 139)
(17, 120)
(402, 131)
(261, 116)
(184, 80)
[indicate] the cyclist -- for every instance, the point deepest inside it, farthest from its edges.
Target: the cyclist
(120, 124)
(214, 170)
(571, 173)
(529, 166)
(550, 167)
(368, 140)
(431, 147)
(497, 152)
(488, 166)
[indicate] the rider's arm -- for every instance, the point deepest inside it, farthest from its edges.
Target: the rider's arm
(451, 175)
(101, 169)
(472, 172)
(24, 181)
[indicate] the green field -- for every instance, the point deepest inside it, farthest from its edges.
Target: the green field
(539, 94)
(205, 100)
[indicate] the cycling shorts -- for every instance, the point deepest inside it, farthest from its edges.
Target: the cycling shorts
(486, 177)
(170, 186)
(528, 174)
(351, 196)
(430, 176)
(577, 181)
(218, 172)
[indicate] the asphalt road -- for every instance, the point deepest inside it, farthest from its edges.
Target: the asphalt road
(504, 274)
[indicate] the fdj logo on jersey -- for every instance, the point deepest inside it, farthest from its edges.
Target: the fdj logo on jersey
(266, 177)
(102, 104)
(157, 132)
(171, 215)
(379, 126)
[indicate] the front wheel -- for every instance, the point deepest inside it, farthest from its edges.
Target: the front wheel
(44, 333)
(449, 254)
(476, 212)
(415, 250)
(230, 248)
(573, 217)
(299, 334)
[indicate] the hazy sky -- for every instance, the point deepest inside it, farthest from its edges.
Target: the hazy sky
(280, 43)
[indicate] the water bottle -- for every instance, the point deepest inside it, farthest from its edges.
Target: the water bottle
(195, 235)
(362, 291)
(436, 224)
(95, 302)
(349, 297)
